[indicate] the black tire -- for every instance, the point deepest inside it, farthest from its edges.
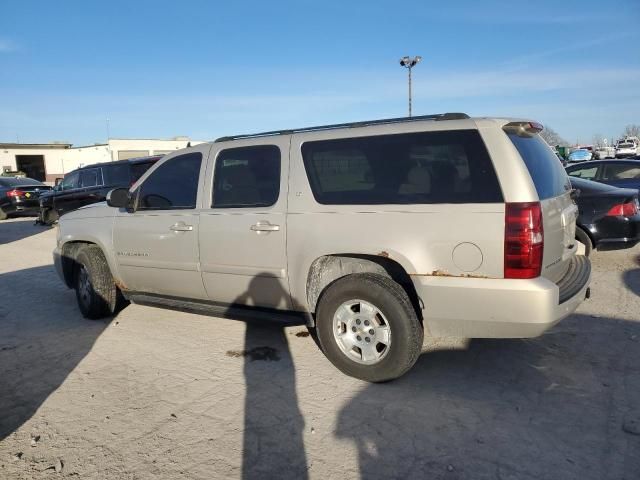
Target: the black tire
(393, 302)
(98, 298)
(49, 216)
(584, 238)
(3, 215)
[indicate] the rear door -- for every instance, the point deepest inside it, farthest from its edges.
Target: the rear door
(243, 230)
(621, 174)
(559, 211)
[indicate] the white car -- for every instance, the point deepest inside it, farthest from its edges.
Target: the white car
(626, 149)
(602, 153)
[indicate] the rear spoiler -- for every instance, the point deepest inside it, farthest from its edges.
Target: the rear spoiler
(523, 128)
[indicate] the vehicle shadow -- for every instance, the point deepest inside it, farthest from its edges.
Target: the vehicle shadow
(43, 337)
(631, 278)
(273, 445)
(16, 229)
(551, 407)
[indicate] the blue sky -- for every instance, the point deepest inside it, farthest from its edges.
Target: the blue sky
(158, 69)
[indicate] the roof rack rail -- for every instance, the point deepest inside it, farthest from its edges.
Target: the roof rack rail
(366, 123)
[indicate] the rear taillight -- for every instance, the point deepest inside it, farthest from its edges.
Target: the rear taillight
(15, 193)
(523, 240)
(628, 209)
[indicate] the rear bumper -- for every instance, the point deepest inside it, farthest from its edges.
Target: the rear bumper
(621, 232)
(21, 206)
(500, 308)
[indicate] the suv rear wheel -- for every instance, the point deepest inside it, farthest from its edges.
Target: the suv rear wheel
(95, 290)
(368, 328)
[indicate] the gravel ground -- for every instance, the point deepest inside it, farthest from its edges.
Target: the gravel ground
(162, 394)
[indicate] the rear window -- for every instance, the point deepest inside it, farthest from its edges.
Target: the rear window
(418, 168)
(546, 170)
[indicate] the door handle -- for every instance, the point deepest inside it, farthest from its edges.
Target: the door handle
(181, 227)
(265, 227)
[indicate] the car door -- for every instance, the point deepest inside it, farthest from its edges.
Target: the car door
(156, 244)
(243, 230)
(64, 199)
(90, 186)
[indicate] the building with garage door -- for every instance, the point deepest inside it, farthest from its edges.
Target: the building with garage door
(48, 161)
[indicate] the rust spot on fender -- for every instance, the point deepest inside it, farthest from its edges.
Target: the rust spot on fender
(119, 284)
(444, 273)
(384, 254)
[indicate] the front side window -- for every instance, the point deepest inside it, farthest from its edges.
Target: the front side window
(173, 185)
(418, 168)
(89, 178)
(247, 177)
(70, 181)
(588, 173)
(621, 172)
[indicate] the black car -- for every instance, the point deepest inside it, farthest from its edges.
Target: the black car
(619, 173)
(19, 195)
(90, 184)
(608, 218)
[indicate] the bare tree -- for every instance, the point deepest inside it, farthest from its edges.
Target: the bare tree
(597, 140)
(632, 130)
(552, 137)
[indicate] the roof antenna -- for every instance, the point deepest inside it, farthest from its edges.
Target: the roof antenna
(188, 144)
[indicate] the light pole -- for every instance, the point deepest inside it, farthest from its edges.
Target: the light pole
(409, 63)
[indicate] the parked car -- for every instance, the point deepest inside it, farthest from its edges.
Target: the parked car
(20, 195)
(619, 173)
(90, 184)
(373, 232)
(626, 149)
(608, 216)
(580, 155)
(602, 153)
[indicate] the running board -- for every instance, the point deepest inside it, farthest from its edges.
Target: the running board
(231, 312)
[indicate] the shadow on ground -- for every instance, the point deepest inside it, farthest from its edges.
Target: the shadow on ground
(553, 407)
(43, 337)
(17, 229)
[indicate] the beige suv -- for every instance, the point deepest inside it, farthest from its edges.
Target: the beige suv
(374, 232)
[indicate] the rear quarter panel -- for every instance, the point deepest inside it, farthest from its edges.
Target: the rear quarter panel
(421, 238)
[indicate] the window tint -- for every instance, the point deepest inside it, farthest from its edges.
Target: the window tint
(247, 177)
(620, 171)
(139, 169)
(70, 181)
(89, 178)
(547, 173)
(116, 174)
(589, 172)
(426, 167)
(174, 185)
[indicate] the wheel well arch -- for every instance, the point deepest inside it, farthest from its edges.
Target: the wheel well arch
(588, 233)
(69, 253)
(327, 269)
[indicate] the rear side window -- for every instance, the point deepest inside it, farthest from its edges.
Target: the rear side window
(247, 177)
(116, 175)
(138, 169)
(420, 168)
(90, 178)
(173, 185)
(546, 170)
(587, 172)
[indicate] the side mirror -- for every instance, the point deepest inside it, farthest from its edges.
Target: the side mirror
(118, 198)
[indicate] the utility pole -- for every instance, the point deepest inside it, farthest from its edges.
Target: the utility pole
(409, 63)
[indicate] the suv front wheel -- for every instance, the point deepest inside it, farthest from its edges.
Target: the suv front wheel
(368, 328)
(96, 291)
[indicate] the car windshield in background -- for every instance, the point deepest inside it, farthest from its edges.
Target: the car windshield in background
(626, 145)
(547, 173)
(18, 181)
